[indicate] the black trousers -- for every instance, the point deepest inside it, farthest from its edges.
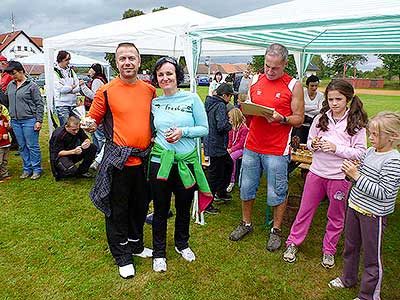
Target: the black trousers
(66, 164)
(162, 191)
(129, 204)
(219, 173)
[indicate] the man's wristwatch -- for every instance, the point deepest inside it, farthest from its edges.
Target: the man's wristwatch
(284, 120)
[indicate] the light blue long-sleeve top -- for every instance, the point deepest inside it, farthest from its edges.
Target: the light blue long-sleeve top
(182, 110)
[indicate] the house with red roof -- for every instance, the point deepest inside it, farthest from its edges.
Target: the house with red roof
(18, 44)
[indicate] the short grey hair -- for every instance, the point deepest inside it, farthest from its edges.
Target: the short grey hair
(276, 49)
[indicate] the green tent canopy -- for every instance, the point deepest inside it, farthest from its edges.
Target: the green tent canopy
(318, 27)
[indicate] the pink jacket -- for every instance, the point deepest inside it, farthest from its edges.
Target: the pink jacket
(237, 138)
(327, 164)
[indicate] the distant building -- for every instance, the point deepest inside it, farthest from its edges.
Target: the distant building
(18, 44)
(312, 69)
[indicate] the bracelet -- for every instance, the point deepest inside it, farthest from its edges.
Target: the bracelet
(284, 120)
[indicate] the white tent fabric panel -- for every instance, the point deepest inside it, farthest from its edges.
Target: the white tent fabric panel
(160, 33)
(76, 60)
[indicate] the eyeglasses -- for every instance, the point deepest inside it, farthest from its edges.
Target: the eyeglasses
(167, 59)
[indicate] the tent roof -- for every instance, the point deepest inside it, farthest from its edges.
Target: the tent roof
(323, 26)
(76, 60)
(159, 33)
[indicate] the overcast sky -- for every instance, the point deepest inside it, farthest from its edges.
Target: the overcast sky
(45, 18)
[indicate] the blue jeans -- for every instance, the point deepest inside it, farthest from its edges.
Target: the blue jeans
(63, 112)
(28, 141)
(99, 139)
(275, 168)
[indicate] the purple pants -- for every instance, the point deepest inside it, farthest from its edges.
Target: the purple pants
(315, 189)
(368, 232)
(235, 155)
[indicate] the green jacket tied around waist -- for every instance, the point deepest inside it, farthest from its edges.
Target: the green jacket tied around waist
(167, 159)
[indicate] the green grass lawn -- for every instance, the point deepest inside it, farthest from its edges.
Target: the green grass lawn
(53, 246)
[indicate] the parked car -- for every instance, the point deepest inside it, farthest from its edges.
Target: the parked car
(185, 82)
(146, 78)
(203, 81)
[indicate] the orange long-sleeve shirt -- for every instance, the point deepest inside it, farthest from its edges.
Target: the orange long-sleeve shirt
(126, 113)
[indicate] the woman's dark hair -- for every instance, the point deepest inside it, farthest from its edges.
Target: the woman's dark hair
(357, 117)
(312, 78)
(218, 73)
(178, 69)
(62, 54)
(99, 71)
(14, 65)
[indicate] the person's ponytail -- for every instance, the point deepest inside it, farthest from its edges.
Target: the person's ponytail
(357, 117)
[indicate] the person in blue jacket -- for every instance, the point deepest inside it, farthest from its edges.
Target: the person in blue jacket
(221, 164)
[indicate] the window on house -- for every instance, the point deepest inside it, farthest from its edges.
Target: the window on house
(25, 48)
(19, 48)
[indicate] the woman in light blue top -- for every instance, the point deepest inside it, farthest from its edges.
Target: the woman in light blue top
(179, 118)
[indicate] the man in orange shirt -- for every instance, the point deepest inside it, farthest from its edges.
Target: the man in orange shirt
(120, 190)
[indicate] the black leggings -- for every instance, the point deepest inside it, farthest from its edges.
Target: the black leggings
(162, 191)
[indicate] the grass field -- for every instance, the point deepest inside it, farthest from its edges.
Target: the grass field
(53, 246)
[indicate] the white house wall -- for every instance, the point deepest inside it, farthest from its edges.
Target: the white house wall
(12, 50)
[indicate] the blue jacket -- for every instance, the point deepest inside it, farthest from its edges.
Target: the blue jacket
(216, 143)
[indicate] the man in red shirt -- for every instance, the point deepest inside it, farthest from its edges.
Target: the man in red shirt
(5, 78)
(267, 146)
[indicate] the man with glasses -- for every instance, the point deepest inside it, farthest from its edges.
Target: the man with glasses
(120, 190)
(66, 86)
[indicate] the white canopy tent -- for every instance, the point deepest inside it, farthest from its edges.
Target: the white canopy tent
(325, 26)
(159, 33)
(76, 60)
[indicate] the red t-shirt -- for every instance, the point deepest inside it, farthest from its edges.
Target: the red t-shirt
(5, 80)
(265, 137)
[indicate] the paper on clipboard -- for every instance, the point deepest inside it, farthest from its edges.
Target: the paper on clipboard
(250, 108)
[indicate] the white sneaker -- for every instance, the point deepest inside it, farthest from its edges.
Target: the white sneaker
(127, 271)
(94, 166)
(146, 253)
(336, 284)
(160, 264)
(187, 254)
(230, 187)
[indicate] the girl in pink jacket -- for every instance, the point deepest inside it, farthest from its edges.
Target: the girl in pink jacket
(338, 133)
(237, 138)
